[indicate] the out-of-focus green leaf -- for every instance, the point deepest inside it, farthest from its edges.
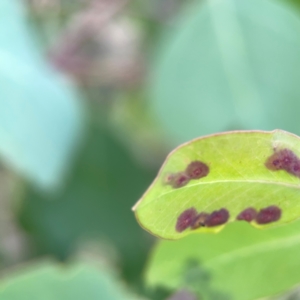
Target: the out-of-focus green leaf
(230, 64)
(293, 3)
(39, 113)
(50, 281)
(237, 179)
(137, 128)
(95, 202)
(238, 263)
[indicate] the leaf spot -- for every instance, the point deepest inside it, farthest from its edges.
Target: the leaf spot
(268, 215)
(217, 217)
(194, 170)
(197, 169)
(249, 214)
(177, 180)
(284, 159)
(186, 219)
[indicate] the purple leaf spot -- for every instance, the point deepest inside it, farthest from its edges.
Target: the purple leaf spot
(197, 169)
(284, 159)
(179, 180)
(217, 217)
(186, 219)
(268, 215)
(176, 180)
(249, 214)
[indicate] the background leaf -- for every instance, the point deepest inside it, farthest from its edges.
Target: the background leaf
(237, 179)
(51, 281)
(229, 64)
(40, 118)
(238, 263)
(94, 203)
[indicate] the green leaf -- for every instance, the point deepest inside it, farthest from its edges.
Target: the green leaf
(242, 171)
(229, 64)
(40, 117)
(50, 281)
(94, 203)
(238, 263)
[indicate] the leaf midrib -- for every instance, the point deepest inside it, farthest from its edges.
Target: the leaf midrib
(267, 182)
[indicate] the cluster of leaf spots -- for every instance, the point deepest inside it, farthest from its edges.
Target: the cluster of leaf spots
(284, 159)
(190, 218)
(195, 170)
(264, 216)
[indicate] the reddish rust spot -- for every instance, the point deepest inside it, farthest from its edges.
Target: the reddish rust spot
(217, 217)
(194, 170)
(249, 214)
(284, 159)
(200, 220)
(197, 169)
(186, 219)
(179, 180)
(268, 215)
(176, 180)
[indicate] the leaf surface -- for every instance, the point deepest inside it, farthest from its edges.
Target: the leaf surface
(239, 176)
(239, 263)
(229, 64)
(51, 281)
(40, 116)
(94, 203)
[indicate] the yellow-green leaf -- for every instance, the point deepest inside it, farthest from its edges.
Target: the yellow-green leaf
(210, 181)
(240, 263)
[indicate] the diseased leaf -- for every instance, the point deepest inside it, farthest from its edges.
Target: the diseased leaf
(239, 263)
(248, 176)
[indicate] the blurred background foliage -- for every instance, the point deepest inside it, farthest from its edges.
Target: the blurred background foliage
(94, 94)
